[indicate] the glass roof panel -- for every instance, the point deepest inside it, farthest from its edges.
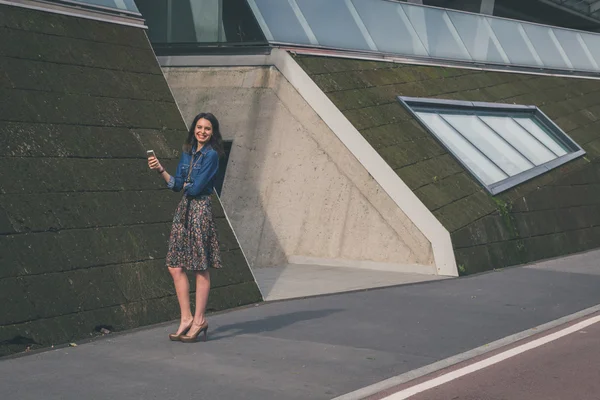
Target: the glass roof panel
(539, 133)
(188, 23)
(474, 159)
(332, 23)
(516, 43)
(547, 47)
(520, 138)
(278, 18)
(437, 32)
(592, 43)
(489, 143)
(479, 38)
(389, 26)
(576, 49)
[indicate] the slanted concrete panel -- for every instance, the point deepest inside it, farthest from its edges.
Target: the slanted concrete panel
(84, 224)
(292, 189)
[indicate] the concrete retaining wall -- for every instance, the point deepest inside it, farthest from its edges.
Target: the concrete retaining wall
(292, 189)
(83, 223)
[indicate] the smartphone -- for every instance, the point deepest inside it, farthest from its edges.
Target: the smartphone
(150, 153)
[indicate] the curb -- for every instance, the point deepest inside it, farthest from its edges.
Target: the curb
(439, 365)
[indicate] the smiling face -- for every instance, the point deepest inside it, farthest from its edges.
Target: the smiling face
(203, 131)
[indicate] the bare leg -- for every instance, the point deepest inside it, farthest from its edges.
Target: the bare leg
(182, 287)
(202, 289)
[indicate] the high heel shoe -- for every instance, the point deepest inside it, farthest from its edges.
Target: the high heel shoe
(194, 337)
(176, 338)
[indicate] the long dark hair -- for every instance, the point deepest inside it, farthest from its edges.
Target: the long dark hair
(216, 140)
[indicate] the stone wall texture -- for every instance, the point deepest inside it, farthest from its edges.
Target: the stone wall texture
(84, 224)
(555, 214)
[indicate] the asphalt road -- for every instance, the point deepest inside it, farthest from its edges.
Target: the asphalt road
(567, 368)
(314, 348)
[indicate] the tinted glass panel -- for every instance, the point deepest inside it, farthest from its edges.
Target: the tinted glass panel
(593, 45)
(575, 49)
(281, 21)
(545, 46)
(478, 37)
(510, 35)
(389, 27)
(437, 33)
(200, 21)
(194, 21)
(332, 24)
(155, 19)
(239, 26)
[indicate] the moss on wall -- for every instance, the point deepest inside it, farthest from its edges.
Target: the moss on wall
(555, 214)
(83, 223)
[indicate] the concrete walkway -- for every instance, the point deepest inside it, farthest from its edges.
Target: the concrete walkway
(312, 348)
(299, 280)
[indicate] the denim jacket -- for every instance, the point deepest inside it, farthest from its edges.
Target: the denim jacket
(205, 165)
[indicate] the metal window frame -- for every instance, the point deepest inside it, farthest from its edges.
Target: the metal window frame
(98, 7)
(509, 110)
(81, 10)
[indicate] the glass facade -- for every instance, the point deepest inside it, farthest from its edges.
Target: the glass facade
(501, 145)
(387, 26)
(195, 23)
(121, 6)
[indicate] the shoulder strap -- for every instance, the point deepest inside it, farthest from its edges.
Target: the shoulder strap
(192, 165)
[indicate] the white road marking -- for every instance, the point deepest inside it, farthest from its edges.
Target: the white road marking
(450, 376)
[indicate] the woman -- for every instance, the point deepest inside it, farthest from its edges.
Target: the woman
(193, 245)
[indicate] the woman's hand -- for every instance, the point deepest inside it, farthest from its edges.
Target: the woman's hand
(154, 164)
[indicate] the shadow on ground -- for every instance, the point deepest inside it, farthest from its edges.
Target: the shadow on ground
(269, 324)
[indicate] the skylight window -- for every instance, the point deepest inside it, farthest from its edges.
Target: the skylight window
(502, 145)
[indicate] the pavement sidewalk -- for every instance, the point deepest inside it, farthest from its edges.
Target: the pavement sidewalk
(312, 348)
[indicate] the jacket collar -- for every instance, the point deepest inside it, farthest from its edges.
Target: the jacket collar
(205, 149)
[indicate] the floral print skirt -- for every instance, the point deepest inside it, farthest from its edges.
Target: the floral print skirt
(193, 244)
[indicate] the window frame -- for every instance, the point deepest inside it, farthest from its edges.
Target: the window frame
(496, 109)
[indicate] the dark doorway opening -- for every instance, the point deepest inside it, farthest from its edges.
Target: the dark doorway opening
(220, 178)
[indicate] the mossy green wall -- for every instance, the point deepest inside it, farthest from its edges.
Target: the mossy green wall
(552, 215)
(83, 223)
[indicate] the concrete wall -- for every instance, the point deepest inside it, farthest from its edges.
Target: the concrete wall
(554, 214)
(83, 222)
(292, 189)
